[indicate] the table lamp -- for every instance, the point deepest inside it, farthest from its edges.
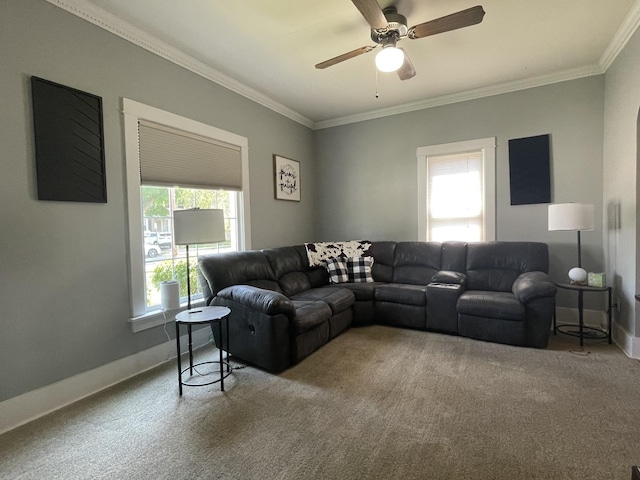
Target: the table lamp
(572, 217)
(197, 226)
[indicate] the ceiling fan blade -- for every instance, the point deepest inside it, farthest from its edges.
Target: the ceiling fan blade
(372, 13)
(464, 18)
(344, 56)
(406, 71)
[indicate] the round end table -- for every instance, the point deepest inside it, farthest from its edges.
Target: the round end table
(584, 331)
(201, 316)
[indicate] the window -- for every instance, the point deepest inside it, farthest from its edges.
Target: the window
(172, 163)
(166, 261)
(456, 190)
(454, 202)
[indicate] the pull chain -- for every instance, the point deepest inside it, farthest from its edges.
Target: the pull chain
(377, 86)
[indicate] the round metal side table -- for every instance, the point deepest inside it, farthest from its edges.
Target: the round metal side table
(201, 316)
(583, 330)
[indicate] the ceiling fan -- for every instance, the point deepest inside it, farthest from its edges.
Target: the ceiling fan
(388, 27)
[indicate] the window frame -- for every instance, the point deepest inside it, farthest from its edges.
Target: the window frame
(488, 148)
(132, 112)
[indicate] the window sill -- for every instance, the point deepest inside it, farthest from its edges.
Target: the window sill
(158, 317)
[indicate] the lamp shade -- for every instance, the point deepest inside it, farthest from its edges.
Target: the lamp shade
(196, 226)
(571, 216)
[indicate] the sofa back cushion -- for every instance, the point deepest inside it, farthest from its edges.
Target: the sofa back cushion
(454, 256)
(416, 262)
(383, 254)
(289, 265)
(494, 266)
(318, 276)
(237, 268)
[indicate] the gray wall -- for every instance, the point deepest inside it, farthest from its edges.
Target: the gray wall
(367, 171)
(622, 101)
(63, 266)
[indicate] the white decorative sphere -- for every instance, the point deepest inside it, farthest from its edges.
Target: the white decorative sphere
(578, 275)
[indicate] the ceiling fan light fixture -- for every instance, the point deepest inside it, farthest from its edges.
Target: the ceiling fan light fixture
(389, 59)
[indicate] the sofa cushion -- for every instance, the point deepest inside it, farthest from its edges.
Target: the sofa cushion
(309, 314)
(294, 282)
(288, 265)
(402, 293)
(454, 256)
(495, 265)
(383, 254)
(359, 269)
(237, 268)
(338, 299)
(337, 269)
(318, 276)
(287, 259)
(362, 291)
(416, 262)
(500, 305)
(491, 279)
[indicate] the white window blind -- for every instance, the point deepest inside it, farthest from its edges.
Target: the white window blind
(455, 197)
(172, 157)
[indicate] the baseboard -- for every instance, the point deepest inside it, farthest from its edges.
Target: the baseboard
(24, 408)
(592, 318)
(629, 344)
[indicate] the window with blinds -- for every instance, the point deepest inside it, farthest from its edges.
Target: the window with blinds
(455, 197)
(172, 157)
(181, 170)
(174, 163)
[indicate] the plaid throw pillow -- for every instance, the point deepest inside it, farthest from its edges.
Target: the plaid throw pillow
(359, 269)
(337, 269)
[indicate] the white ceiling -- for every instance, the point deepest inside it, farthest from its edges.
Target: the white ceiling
(269, 48)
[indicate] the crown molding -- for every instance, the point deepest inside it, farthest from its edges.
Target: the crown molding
(123, 29)
(474, 94)
(622, 37)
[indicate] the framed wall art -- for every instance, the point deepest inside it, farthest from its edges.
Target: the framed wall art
(69, 143)
(530, 170)
(287, 178)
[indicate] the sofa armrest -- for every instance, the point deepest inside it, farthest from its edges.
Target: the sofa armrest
(531, 285)
(259, 299)
(449, 277)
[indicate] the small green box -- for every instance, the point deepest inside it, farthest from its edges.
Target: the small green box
(596, 279)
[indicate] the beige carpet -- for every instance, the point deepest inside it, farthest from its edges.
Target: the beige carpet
(375, 403)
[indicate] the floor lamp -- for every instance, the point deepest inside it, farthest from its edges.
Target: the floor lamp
(197, 226)
(572, 217)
